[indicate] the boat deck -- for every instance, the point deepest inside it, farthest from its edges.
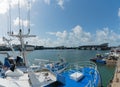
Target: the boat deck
(22, 81)
(45, 78)
(85, 81)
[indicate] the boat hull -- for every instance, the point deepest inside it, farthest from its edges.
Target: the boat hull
(98, 61)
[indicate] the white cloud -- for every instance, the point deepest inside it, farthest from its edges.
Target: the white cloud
(38, 41)
(22, 3)
(79, 35)
(24, 23)
(119, 12)
(4, 4)
(59, 34)
(61, 3)
(47, 2)
(107, 35)
(102, 35)
(1, 41)
(74, 38)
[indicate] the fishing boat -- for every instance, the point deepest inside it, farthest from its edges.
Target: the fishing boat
(54, 66)
(99, 59)
(115, 53)
(57, 67)
(16, 71)
(82, 74)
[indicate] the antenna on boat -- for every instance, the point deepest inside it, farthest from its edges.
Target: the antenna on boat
(10, 16)
(9, 19)
(9, 31)
(19, 14)
(28, 16)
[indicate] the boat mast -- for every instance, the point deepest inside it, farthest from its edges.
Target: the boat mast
(21, 35)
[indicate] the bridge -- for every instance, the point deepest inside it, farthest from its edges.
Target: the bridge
(103, 46)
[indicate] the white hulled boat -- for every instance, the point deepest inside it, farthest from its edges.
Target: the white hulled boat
(16, 72)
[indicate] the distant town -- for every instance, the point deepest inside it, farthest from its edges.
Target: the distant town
(103, 46)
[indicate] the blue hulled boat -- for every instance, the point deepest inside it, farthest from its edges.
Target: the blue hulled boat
(99, 59)
(57, 67)
(83, 74)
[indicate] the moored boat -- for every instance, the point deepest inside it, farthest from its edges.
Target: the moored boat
(16, 71)
(82, 74)
(99, 59)
(57, 67)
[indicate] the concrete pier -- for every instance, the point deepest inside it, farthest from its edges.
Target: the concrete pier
(115, 82)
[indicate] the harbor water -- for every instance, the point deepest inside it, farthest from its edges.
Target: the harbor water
(73, 56)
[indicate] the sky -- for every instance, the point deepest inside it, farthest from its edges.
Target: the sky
(70, 23)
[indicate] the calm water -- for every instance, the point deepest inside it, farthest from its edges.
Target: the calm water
(73, 56)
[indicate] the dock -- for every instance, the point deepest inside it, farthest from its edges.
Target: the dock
(115, 82)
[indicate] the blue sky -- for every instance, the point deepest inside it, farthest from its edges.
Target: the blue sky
(66, 22)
